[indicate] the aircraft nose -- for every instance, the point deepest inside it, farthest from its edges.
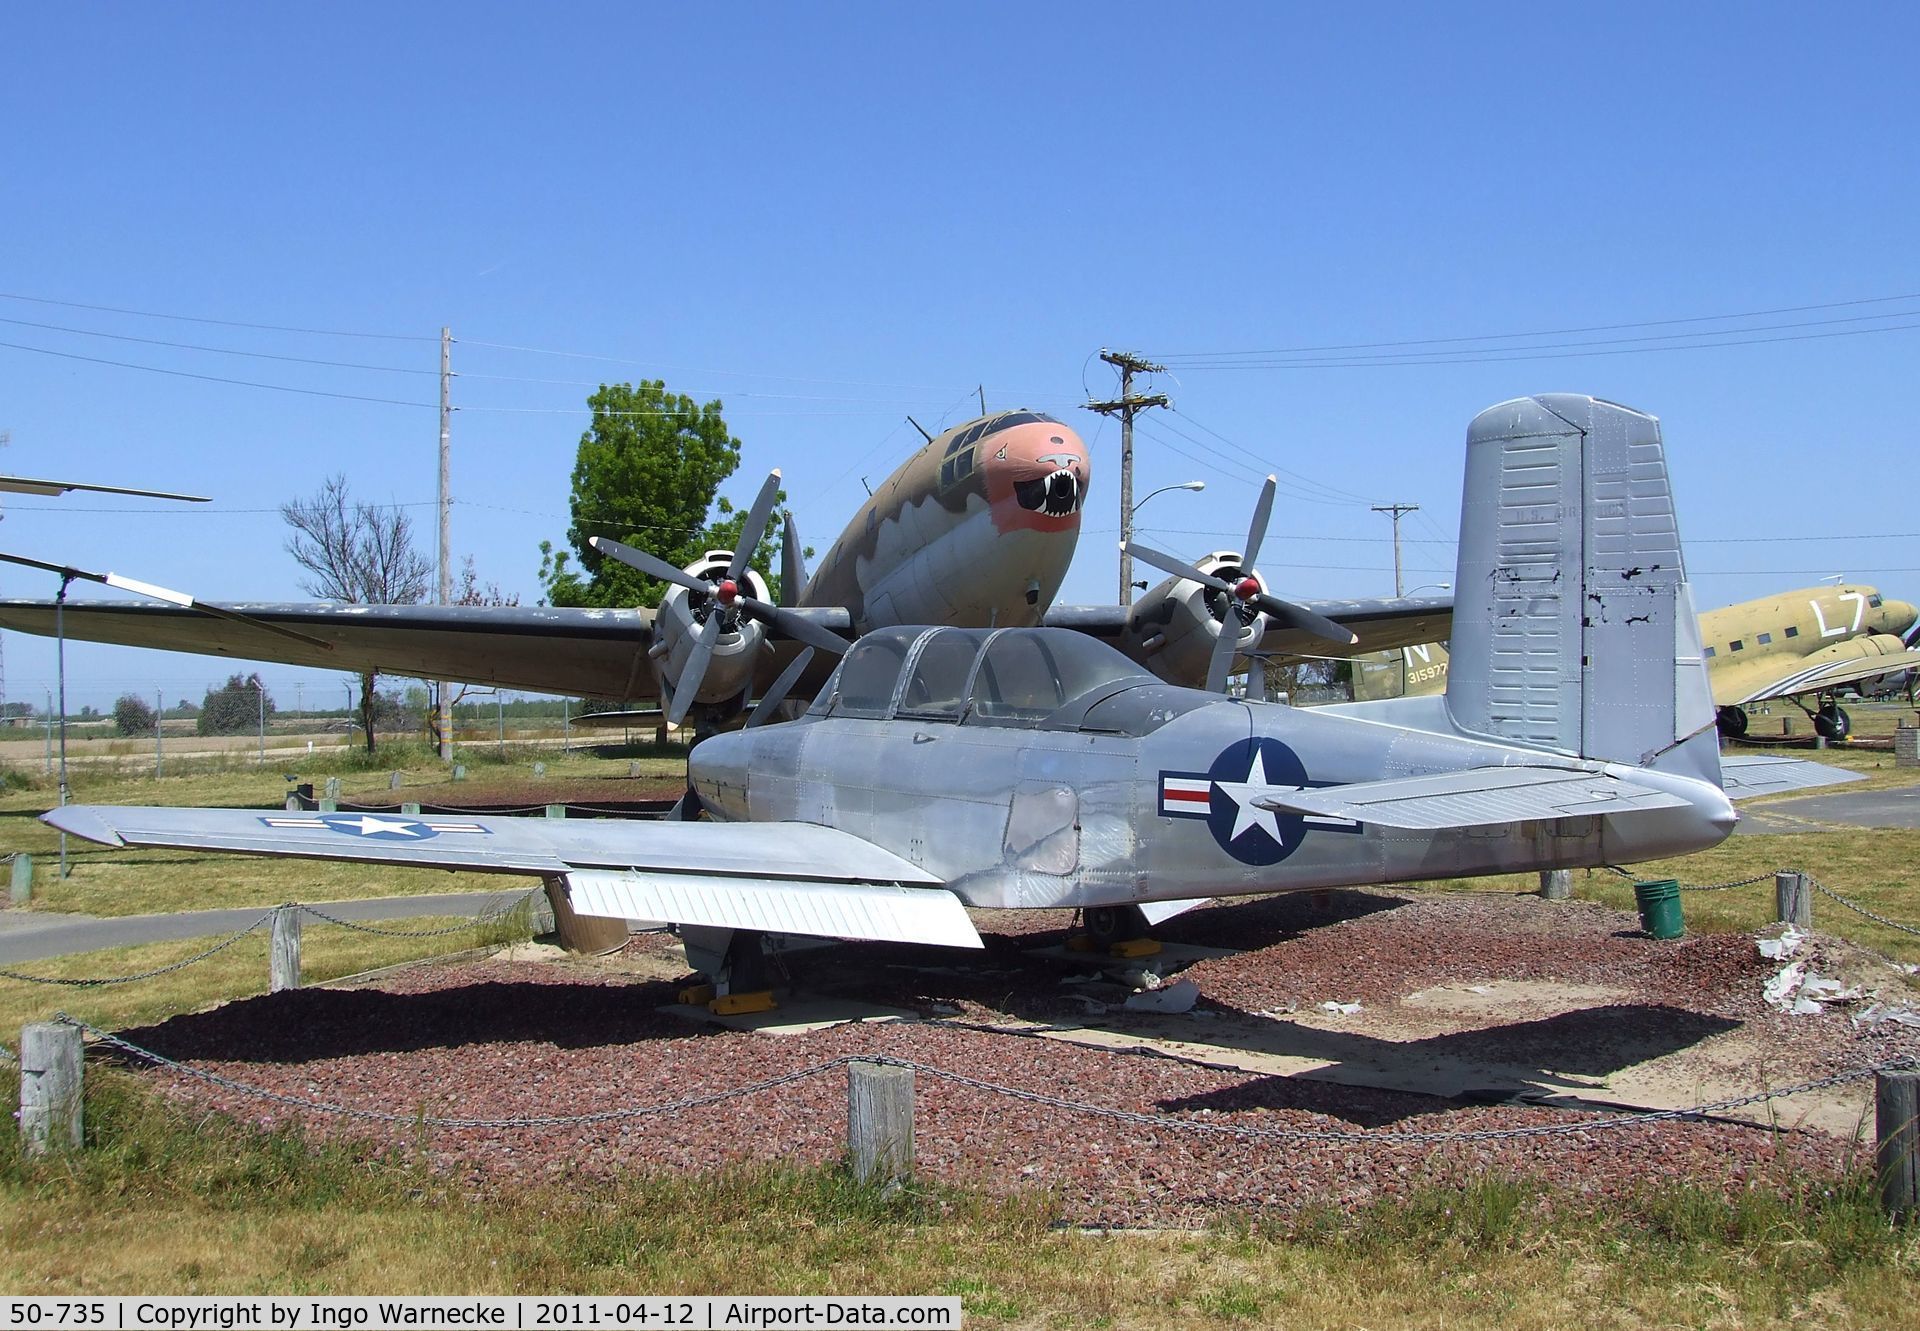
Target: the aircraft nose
(1039, 469)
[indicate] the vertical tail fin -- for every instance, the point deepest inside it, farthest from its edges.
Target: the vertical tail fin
(1573, 629)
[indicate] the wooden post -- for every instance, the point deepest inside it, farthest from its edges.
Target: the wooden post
(283, 964)
(459, 771)
(556, 811)
(393, 782)
(880, 1122)
(293, 802)
(1793, 899)
(332, 789)
(22, 890)
(50, 1087)
(1556, 884)
(410, 807)
(1896, 1104)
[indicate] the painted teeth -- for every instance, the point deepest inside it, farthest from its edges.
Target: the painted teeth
(1063, 493)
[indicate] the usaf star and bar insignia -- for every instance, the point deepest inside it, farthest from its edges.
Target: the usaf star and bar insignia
(374, 826)
(1225, 794)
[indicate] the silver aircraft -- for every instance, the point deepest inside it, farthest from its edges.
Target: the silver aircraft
(941, 768)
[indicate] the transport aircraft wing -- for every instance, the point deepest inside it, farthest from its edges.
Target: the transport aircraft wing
(1746, 775)
(1380, 623)
(1797, 679)
(779, 877)
(544, 649)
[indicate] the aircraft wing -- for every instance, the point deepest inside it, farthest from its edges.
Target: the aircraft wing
(1382, 623)
(1832, 674)
(544, 649)
(1477, 797)
(781, 877)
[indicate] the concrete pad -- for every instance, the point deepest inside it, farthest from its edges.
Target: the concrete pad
(1898, 807)
(798, 1014)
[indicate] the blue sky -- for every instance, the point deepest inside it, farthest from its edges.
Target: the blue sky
(831, 216)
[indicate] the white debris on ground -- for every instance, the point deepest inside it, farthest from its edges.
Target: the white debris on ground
(1800, 992)
(1180, 996)
(1882, 1012)
(1344, 1009)
(1786, 945)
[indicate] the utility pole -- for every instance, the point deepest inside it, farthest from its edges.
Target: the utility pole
(1398, 511)
(6, 437)
(1124, 407)
(443, 707)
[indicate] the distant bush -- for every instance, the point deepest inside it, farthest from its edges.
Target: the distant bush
(132, 715)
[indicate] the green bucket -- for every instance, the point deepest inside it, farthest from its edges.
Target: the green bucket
(1659, 903)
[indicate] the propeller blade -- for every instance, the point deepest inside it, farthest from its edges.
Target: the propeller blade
(1178, 567)
(1288, 615)
(685, 809)
(795, 626)
(793, 565)
(171, 597)
(1220, 664)
(781, 687)
(756, 529)
(688, 684)
(651, 565)
(1257, 678)
(1257, 529)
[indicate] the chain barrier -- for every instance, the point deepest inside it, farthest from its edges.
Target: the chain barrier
(1701, 887)
(96, 982)
(1824, 890)
(478, 921)
(1135, 1117)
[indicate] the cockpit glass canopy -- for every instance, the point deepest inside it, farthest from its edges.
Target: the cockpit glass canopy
(1009, 677)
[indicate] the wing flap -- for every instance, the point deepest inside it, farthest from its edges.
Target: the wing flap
(1478, 797)
(878, 911)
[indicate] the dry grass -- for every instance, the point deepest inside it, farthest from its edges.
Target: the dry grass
(327, 952)
(162, 1203)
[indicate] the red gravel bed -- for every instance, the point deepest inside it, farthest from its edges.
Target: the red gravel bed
(506, 1040)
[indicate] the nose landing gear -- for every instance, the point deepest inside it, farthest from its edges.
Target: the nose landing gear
(1119, 931)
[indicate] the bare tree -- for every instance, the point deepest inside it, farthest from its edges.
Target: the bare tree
(359, 553)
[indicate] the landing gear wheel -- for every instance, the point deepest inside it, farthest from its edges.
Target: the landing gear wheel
(1732, 722)
(1832, 722)
(1107, 925)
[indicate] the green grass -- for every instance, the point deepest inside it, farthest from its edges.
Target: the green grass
(166, 1201)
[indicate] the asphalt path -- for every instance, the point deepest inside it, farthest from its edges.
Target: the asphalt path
(29, 935)
(1862, 808)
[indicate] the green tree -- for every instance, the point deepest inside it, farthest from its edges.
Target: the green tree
(132, 715)
(646, 474)
(234, 709)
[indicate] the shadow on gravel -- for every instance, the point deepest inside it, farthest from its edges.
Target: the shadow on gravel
(306, 1025)
(1587, 1043)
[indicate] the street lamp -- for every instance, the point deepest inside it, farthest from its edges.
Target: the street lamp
(1126, 561)
(1436, 586)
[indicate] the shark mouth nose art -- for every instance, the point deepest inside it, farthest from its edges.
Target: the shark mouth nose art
(1056, 494)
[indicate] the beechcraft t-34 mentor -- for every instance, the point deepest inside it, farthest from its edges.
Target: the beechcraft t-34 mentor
(976, 529)
(941, 768)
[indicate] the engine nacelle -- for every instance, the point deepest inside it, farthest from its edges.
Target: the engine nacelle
(728, 681)
(1172, 629)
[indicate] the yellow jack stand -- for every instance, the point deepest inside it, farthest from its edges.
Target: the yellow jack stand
(697, 995)
(734, 1005)
(1134, 948)
(1079, 943)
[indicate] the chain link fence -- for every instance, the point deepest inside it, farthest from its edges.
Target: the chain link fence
(1244, 1131)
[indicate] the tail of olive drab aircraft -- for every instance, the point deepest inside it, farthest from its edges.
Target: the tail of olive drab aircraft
(1573, 626)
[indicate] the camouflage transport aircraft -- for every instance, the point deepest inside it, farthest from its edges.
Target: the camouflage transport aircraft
(976, 529)
(942, 768)
(1794, 645)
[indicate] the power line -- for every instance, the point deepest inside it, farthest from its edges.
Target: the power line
(1495, 355)
(220, 351)
(223, 323)
(1332, 490)
(214, 378)
(1553, 332)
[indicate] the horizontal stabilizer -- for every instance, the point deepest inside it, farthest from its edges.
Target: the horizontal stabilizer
(880, 912)
(1478, 797)
(1745, 775)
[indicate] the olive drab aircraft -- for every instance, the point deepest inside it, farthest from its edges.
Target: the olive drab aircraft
(1798, 645)
(942, 768)
(975, 529)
